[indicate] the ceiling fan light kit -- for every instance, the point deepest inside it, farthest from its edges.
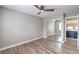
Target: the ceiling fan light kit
(41, 8)
(41, 11)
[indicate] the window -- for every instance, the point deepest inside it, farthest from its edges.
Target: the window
(60, 26)
(70, 27)
(76, 27)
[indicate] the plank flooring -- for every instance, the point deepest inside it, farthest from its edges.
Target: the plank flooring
(51, 45)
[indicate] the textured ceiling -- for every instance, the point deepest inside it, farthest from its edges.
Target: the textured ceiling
(69, 10)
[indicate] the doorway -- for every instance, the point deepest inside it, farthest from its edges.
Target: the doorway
(58, 27)
(71, 32)
(57, 30)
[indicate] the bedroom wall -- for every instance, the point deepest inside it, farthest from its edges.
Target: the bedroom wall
(18, 27)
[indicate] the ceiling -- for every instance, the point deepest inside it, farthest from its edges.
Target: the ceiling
(69, 10)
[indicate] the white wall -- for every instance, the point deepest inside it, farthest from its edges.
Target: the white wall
(49, 26)
(44, 28)
(57, 31)
(17, 27)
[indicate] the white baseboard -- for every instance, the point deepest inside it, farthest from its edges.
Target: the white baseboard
(50, 34)
(14, 45)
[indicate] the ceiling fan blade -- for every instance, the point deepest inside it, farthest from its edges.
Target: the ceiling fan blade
(37, 7)
(38, 13)
(42, 7)
(49, 10)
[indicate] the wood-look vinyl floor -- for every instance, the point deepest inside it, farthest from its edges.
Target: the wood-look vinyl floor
(51, 45)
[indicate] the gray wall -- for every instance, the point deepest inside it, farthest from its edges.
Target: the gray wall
(18, 27)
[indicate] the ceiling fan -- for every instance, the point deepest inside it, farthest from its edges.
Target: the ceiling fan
(41, 8)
